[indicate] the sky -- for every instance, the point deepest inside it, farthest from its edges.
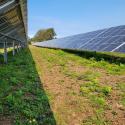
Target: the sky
(69, 17)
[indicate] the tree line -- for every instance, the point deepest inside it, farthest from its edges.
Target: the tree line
(43, 35)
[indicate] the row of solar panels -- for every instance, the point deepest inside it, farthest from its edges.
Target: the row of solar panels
(13, 21)
(110, 39)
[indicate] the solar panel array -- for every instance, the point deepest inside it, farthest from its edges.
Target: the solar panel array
(110, 39)
(13, 21)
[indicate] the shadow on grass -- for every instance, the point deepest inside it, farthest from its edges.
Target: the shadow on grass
(23, 100)
(98, 56)
(1, 58)
(110, 57)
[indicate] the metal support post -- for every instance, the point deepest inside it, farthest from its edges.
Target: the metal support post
(17, 48)
(5, 51)
(13, 48)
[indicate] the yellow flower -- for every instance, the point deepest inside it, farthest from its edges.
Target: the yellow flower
(34, 120)
(30, 121)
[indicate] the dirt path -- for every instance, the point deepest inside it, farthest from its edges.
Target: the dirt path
(69, 108)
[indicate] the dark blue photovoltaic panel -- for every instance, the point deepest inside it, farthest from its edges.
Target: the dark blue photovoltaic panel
(110, 39)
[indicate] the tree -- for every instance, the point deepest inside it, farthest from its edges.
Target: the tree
(44, 35)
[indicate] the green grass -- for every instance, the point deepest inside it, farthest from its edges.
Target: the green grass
(97, 96)
(97, 119)
(22, 97)
(60, 57)
(24, 100)
(121, 88)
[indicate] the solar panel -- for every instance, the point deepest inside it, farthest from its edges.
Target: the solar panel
(110, 39)
(13, 21)
(121, 49)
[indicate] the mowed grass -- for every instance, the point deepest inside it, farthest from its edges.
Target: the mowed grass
(23, 100)
(82, 91)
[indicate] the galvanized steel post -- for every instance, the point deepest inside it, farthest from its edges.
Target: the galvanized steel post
(17, 48)
(5, 51)
(13, 48)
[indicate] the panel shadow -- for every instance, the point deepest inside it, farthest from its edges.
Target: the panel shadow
(23, 100)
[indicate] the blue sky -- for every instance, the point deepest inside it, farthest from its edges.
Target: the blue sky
(69, 17)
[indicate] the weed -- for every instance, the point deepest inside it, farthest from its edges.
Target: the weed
(97, 119)
(90, 76)
(61, 82)
(114, 113)
(106, 90)
(98, 101)
(84, 90)
(121, 88)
